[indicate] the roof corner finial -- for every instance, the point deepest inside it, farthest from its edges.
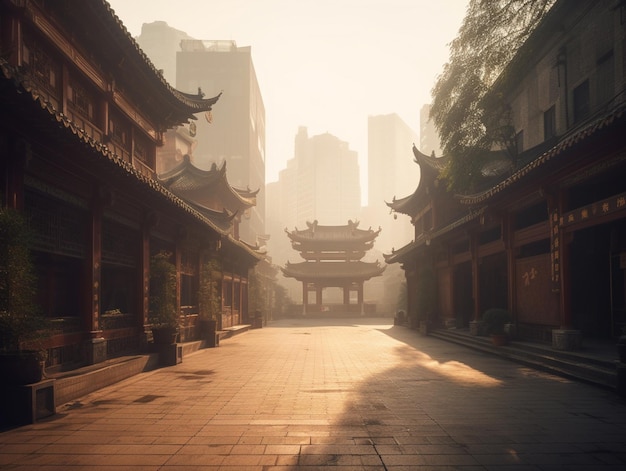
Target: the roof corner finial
(200, 93)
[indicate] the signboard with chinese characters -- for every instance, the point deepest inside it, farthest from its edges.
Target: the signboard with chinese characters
(555, 241)
(591, 211)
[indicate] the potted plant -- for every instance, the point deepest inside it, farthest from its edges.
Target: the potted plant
(163, 315)
(493, 321)
(22, 327)
(209, 302)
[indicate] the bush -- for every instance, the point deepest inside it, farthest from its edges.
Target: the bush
(163, 291)
(494, 320)
(21, 323)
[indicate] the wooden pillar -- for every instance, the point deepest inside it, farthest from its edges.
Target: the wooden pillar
(305, 297)
(96, 344)
(318, 295)
(507, 237)
(144, 281)
(346, 295)
(14, 170)
(475, 275)
(360, 298)
(566, 337)
(561, 266)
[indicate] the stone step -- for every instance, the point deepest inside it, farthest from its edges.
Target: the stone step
(597, 371)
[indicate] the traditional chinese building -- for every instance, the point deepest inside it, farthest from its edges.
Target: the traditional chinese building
(332, 257)
(209, 189)
(545, 235)
(209, 192)
(83, 113)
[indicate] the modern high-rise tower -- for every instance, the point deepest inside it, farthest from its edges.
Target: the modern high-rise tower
(321, 182)
(161, 42)
(391, 173)
(235, 131)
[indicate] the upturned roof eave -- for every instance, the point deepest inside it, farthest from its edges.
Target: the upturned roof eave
(99, 149)
(182, 106)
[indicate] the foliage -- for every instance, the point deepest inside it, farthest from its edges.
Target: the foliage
(21, 323)
(257, 296)
(468, 125)
(163, 291)
(281, 299)
(494, 320)
(209, 298)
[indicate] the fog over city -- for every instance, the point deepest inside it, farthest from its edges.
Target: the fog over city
(324, 64)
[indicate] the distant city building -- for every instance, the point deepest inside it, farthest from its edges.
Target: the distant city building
(391, 172)
(325, 179)
(161, 42)
(429, 137)
(321, 182)
(235, 134)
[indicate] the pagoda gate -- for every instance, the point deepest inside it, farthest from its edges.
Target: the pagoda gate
(332, 257)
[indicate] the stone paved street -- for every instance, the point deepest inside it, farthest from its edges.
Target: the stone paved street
(348, 394)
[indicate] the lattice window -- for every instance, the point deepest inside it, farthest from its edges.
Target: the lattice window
(119, 244)
(82, 99)
(141, 151)
(119, 131)
(58, 226)
(41, 66)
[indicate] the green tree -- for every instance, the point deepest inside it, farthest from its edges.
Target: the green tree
(209, 299)
(468, 124)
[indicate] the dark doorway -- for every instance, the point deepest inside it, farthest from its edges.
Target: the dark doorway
(591, 267)
(463, 304)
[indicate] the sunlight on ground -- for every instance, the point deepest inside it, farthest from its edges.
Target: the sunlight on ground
(456, 371)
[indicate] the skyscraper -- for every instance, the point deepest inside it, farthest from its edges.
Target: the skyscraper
(391, 173)
(160, 42)
(321, 182)
(235, 131)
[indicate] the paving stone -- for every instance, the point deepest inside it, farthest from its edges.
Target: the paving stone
(347, 394)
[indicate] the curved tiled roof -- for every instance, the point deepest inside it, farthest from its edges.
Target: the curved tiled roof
(186, 178)
(196, 103)
(95, 27)
(318, 234)
(99, 152)
(430, 168)
(429, 162)
(591, 128)
(425, 237)
(333, 270)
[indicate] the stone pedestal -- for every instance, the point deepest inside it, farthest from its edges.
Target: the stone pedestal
(26, 404)
(96, 350)
(212, 340)
(475, 327)
(567, 339)
(170, 355)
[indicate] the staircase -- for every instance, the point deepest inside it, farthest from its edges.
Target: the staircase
(595, 364)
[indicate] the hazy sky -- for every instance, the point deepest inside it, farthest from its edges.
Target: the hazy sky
(323, 64)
